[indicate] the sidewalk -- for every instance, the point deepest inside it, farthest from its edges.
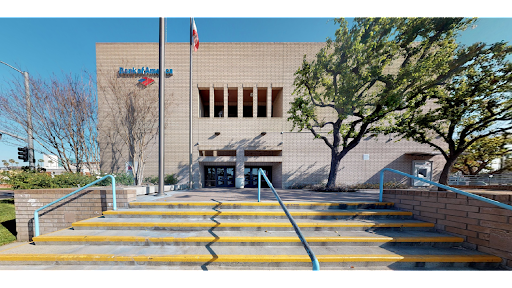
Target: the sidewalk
(251, 194)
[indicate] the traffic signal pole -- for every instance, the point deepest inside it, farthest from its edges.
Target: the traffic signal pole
(30, 139)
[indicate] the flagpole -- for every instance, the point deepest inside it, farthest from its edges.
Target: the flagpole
(190, 114)
(161, 108)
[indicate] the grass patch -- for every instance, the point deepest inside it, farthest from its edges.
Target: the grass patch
(7, 221)
(5, 188)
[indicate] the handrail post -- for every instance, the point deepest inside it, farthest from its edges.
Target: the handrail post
(114, 202)
(381, 184)
(259, 185)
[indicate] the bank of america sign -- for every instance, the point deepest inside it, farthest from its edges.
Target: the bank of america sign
(142, 71)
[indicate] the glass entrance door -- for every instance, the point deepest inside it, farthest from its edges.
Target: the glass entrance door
(221, 176)
(251, 176)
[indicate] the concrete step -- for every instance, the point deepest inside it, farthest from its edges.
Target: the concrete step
(191, 224)
(261, 213)
(262, 205)
(250, 257)
(245, 238)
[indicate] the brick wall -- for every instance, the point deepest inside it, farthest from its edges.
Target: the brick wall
(83, 205)
(484, 227)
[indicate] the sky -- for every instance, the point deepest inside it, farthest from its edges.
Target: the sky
(55, 45)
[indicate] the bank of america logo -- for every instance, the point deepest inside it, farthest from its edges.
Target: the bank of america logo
(145, 81)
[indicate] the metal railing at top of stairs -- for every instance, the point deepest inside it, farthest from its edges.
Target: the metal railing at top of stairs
(381, 187)
(316, 266)
(114, 204)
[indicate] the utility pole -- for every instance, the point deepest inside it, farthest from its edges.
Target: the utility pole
(30, 139)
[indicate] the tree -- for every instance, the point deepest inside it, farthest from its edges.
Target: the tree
(376, 67)
(476, 103)
(12, 161)
(6, 164)
(63, 117)
(479, 155)
(132, 126)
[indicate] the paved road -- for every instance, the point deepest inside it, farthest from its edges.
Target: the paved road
(6, 194)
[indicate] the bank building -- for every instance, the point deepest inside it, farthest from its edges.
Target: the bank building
(241, 93)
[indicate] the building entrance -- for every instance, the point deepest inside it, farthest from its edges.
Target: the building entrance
(251, 176)
(220, 176)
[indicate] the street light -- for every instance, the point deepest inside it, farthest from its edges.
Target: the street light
(30, 141)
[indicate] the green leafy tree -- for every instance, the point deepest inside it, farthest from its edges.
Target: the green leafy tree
(370, 70)
(476, 103)
(6, 164)
(481, 153)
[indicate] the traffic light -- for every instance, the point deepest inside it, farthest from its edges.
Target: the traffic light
(23, 153)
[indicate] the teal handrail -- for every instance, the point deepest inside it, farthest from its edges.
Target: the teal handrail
(381, 187)
(36, 213)
(316, 266)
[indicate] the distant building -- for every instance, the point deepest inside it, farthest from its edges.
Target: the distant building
(54, 165)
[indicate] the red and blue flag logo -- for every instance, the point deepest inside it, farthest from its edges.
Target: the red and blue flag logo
(145, 81)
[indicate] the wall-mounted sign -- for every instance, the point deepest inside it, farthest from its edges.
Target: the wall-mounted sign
(142, 71)
(145, 81)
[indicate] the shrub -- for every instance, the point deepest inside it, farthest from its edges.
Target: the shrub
(169, 179)
(33, 180)
(121, 179)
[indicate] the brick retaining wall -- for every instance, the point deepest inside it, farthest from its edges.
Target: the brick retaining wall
(83, 205)
(484, 227)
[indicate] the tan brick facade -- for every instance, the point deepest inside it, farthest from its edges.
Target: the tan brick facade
(223, 71)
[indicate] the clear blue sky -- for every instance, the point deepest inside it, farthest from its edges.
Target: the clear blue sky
(43, 46)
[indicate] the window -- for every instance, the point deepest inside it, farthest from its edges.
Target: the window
(277, 102)
(233, 102)
(247, 102)
(218, 108)
(262, 102)
(217, 152)
(262, 153)
(204, 102)
(249, 109)
(226, 152)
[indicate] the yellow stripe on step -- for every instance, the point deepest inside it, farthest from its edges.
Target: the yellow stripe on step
(383, 239)
(249, 224)
(256, 203)
(247, 258)
(256, 213)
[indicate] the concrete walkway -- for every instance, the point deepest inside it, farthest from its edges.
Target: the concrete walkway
(251, 194)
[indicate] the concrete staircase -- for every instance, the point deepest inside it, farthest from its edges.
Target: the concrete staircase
(248, 235)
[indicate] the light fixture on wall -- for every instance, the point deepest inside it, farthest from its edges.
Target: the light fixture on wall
(263, 133)
(250, 94)
(217, 133)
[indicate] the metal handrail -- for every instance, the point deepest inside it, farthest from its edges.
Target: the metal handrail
(381, 187)
(36, 214)
(316, 266)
